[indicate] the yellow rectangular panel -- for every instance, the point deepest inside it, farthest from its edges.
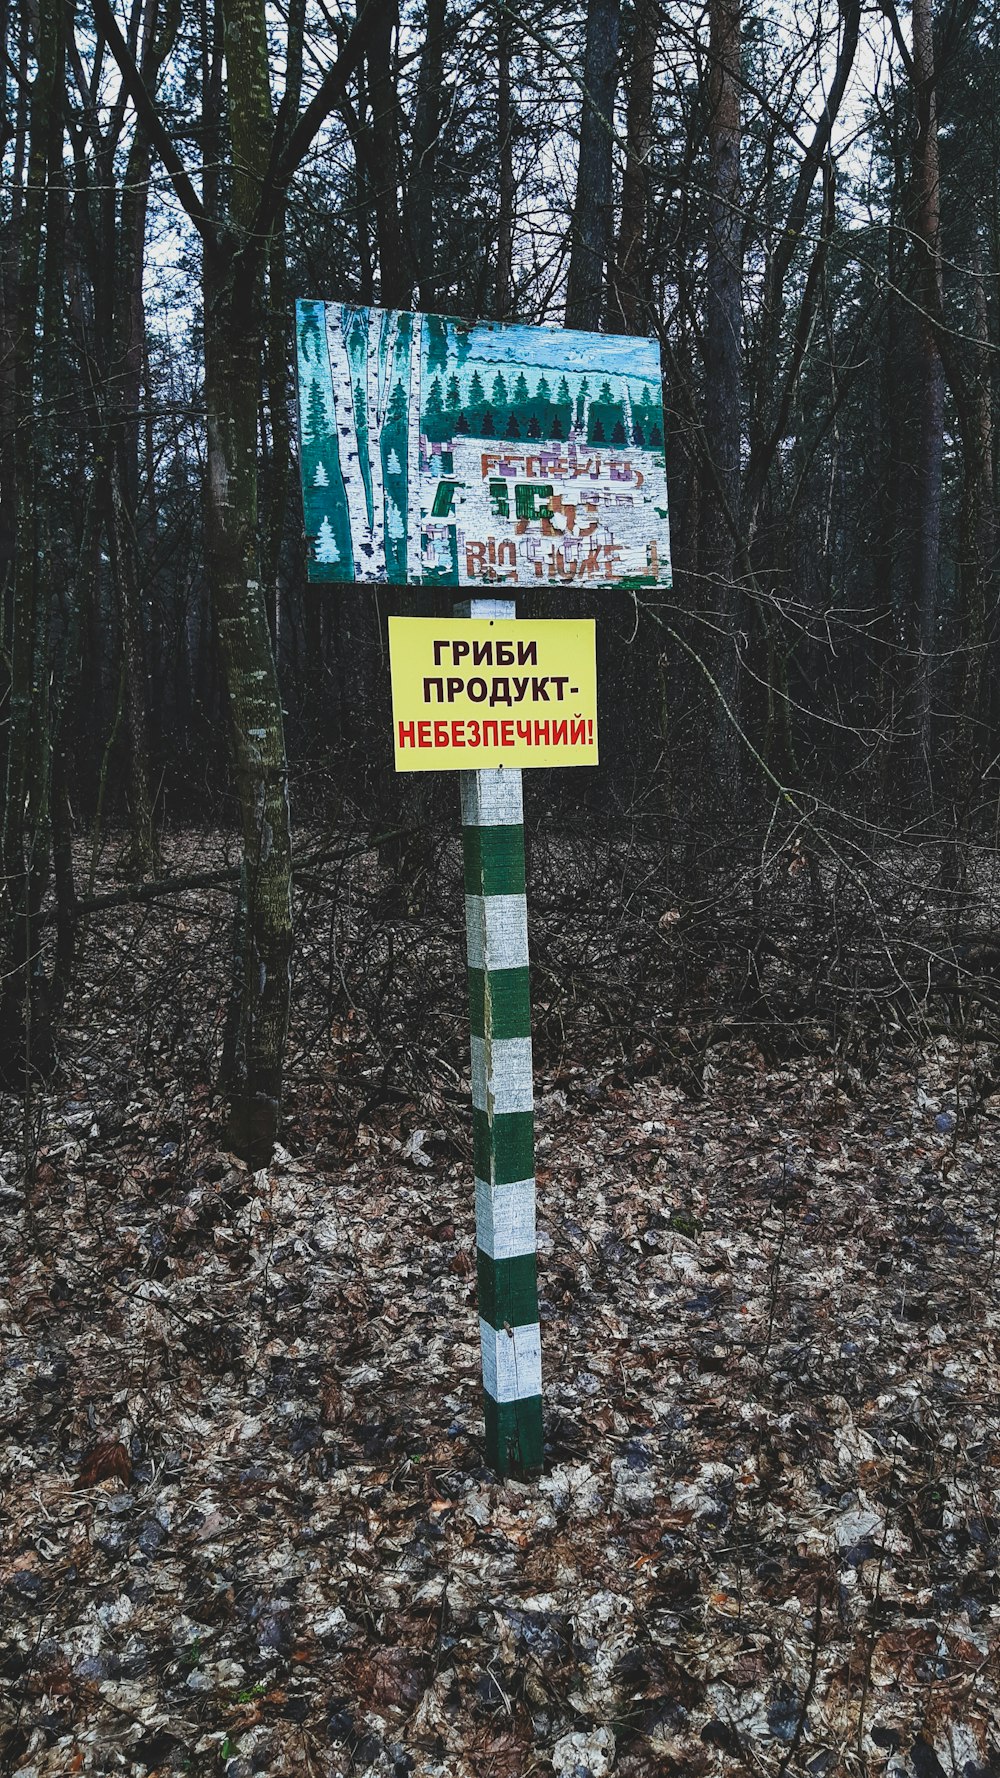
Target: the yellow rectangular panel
(469, 693)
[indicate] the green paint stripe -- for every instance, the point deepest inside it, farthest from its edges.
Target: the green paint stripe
(510, 1002)
(514, 1437)
(508, 1290)
(503, 1151)
(494, 860)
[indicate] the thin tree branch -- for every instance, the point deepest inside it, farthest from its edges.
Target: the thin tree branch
(287, 157)
(150, 119)
(225, 877)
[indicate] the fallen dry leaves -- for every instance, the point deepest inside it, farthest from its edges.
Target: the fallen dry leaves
(246, 1525)
(105, 1463)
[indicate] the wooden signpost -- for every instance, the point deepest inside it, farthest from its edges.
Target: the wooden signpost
(487, 456)
(503, 1106)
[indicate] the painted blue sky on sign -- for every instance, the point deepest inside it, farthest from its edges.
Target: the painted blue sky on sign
(560, 349)
(438, 451)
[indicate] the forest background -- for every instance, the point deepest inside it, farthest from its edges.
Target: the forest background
(235, 1166)
(801, 205)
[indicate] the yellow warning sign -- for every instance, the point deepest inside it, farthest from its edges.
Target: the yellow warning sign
(475, 692)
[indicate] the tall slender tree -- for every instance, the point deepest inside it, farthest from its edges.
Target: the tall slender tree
(424, 154)
(631, 305)
(384, 153)
(591, 229)
(234, 249)
(927, 232)
(112, 337)
(25, 1038)
(723, 292)
(723, 335)
(505, 158)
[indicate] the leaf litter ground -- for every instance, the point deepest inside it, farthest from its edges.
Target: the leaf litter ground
(246, 1522)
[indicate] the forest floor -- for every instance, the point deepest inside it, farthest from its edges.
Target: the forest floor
(245, 1523)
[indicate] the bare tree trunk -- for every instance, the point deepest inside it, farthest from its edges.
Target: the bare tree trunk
(80, 598)
(941, 352)
(113, 334)
(125, 566)
(592, 219)
(362, 195)
(276, 357)
(976, 553)
(723, 315)
(24, 1030)
(233, 352)
(234, 253)
(395, 271)
(508, 195)
(423, 159)
(774, 390)
(159, 34)
(632, 297)
(9, 309)
(927, 227)
(724, 366)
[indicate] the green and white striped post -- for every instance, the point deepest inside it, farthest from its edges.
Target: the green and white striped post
(503, 1119)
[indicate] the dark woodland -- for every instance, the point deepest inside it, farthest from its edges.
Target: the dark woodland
(246, 1519)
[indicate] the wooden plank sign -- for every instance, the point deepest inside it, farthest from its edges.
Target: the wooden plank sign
(479, 453)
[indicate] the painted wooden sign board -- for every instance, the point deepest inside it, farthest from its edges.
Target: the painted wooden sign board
(479, 454)
(471, 693)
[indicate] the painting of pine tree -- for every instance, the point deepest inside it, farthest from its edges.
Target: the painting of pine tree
(326, 544)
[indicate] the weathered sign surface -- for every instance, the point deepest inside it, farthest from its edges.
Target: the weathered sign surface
(468, 694)
(479, 454)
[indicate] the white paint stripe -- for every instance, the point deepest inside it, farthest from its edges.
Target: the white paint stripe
(506, 1078)
(486, 608)
(505, 1218)
(512, 1362)
(496, 929)
(492, 798)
